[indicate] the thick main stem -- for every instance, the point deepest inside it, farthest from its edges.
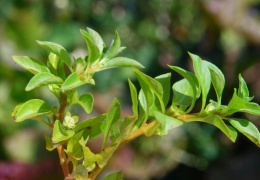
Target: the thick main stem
(63, 162)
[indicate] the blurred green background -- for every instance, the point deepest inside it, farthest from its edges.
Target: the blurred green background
(156, 33)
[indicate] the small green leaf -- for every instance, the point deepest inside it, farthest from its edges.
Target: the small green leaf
(243, 91)
(56, 90)
(80, 173)
(167, 122)
(30, 64)
(112, 116)
(121, 62)
(134, 97)
(182, 94)
(114, 176)
(165, 80)
(203, 75)
(30, 109)
(237, 104)
(193, 82)
(72, 81)
(91, 125)
(114, 48)
(93, 50)
(106, 154)
(247, 128)
(58, 50)
(86, 101)
(59, 133)
(121, 128)
(42, 79)
(96, 39)
(73, 147)
(79, 65)
(51, 145)
(217, 79)
(89, 157)
(150, 83)
(56, 65)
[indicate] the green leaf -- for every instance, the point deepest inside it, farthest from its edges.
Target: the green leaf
(112, 116)
(61, 134)
(79, 65)
(91, 125)
(215, 120)
(80, 173)
(134, 97)
(167, 121)
(121, 62)
(56, 90)
(217, 79)
(203, 75)
(106, 154)
(114, 176)
(143, 110)
(73, 147)
(247, 128)
(58, 50)
(114, 48)
(72, 81)
(182, 94)
(86, 101)
(56, 66)
(30, 64)
(237, 104)
(51, 145)
(42, 79)
(93, 50)
(243, 91)
(191, 78)
(121, 128)
(165, 80)
(89, 157)
(146, 83)
(96, 39)
(30, 109)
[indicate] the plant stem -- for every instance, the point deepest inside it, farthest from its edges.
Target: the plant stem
(63, 162)
(62, 107)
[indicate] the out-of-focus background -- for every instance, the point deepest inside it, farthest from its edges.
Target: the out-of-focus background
(156, 33)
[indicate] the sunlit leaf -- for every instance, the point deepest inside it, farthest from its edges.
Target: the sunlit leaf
(106, 154)
(247, 128)
(59, 133)
(112, 116)
(58, 50)
(203, 75)
(29, 109)
(243, 91)
(114, 176)
(72, 81)
(121, 62)
(56, 65)
(237, 104)
(86, 101)
(93, 50)
(114, 48)
(30, 64)
(42, 79)
(134, 97)
(167, 121)
(73, 147)
(143, 110)
(96, 39)
(217, 79)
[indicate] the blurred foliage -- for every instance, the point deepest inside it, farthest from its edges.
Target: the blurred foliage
(156, 33)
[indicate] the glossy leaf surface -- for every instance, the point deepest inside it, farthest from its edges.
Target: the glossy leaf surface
(59, 133)
(121, 62)
(30, 109)
(133, 97)
(167, 122)
(42, 79)
(86, 101)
